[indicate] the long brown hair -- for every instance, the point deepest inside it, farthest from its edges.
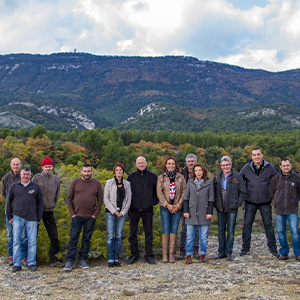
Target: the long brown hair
(203, 169)
(176, 163)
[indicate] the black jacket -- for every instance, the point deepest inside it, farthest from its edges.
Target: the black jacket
(285, 192)
(143, 188)
(258, 186)
(25, 202)
(236, 192)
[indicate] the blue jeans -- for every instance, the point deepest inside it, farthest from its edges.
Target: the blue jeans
(226, 224)
(19, 224)
(114, 230)
(88, 224)
(266, 215)
(170, 222)
(281, 229)
(203, 238)
(10, 242)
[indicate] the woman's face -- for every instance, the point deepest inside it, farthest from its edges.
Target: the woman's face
(171, 165)
(198, 172)
(119, 172)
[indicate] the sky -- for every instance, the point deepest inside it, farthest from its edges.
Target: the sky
(258, 34)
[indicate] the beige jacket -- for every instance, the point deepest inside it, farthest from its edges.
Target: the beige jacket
(163, 190)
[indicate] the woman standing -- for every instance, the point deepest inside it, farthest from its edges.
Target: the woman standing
(170, 191)
(198, 210)
(117, 199)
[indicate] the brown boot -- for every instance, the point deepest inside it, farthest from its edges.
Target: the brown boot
(196, 252)
(188, 259)
(173, 239)
(165, 246)
(201, 258)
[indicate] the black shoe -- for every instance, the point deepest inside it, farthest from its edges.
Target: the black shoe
(150, 260)
(32, 268)
(117, 264)
(181, 253)
(229, 257)
(244, 252)
(111, 264)
(196, 254)
(16, 269)
(132, 260)
(275, 254)
(220, 256)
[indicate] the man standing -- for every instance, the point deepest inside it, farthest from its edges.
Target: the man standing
(285, 193)
(50, 186)
(230, 192)
(24, 209)
(85, 198)
(186, 171)
(143, 187)
(257, 175)
(6, 182)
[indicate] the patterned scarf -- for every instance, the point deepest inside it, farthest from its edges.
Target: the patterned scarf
(198, 183)
(171, 174)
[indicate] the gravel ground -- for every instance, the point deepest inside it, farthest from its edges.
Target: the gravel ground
(254, 276)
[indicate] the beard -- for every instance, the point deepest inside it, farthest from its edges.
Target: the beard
(87, 177)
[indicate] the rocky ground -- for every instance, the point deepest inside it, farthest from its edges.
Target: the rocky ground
(255, 276)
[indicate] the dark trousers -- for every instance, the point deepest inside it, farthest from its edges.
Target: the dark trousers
(226, 227)
(50, 225)
(147, 218)
(88, 224)
(266, 215)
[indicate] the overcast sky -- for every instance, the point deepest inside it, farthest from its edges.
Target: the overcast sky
(263, 34)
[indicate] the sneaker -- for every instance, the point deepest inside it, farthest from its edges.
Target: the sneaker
(56, 264)
(24, 262)
(83, 264)
(10, 261)
(16, 269)
(69, 265)
(132, 260)
(32, 268)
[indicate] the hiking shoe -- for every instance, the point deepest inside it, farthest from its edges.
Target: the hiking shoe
(83, 264)
(32, 268)
(16, 269)
(69, 265)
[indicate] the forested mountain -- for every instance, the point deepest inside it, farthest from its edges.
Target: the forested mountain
(78, 90)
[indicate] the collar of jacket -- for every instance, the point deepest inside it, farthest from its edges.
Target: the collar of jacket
(286, 177)
(251, 164)
(142, 172)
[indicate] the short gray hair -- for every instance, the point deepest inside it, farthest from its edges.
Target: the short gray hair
(225, 158)
(191, 155)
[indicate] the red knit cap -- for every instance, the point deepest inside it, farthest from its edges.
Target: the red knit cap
(47, 161)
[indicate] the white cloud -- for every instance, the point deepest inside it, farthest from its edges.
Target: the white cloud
(250, 33)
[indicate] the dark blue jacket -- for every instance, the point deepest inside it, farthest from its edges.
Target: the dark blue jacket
(25, 202)
(143, 188)
(258, 186)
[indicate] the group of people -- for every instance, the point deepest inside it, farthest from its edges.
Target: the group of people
(187, 197)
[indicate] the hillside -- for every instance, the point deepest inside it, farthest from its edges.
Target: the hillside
(77, 90)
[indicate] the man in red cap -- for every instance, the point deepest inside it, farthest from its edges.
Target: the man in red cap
(50, 186)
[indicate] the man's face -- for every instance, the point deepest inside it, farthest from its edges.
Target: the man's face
(286, 167)
(257, 157)
(141, 164)
(190, 163)
(87, 173)
(15, 165)
(25, 176)
(47, 169)
(226, 167)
